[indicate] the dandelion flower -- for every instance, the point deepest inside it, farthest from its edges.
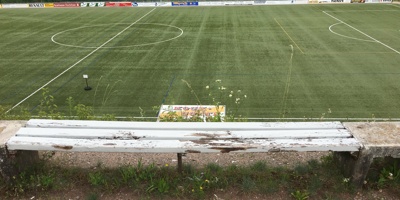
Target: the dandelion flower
(166, 165)
(207, 181)
(201, 188)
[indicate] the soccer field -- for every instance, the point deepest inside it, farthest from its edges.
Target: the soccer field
(291, 61)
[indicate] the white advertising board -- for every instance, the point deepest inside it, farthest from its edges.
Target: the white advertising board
(15, 5)
(153, 4)
(334, 1)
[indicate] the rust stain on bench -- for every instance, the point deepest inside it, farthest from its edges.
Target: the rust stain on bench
(65, 147)
(192, 151)
(229, 149)
(109, 144)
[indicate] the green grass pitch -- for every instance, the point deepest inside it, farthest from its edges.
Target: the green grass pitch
(345, 58)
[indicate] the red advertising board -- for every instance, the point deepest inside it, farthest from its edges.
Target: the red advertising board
(119, 4)
(67, 4)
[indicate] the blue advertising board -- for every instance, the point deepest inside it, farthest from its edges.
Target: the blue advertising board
(184, 3)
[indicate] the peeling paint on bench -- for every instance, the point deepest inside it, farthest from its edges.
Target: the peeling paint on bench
(162, 137)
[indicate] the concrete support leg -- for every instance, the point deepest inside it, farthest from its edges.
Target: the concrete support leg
(12, 163)
(361, 168)
(355, 167)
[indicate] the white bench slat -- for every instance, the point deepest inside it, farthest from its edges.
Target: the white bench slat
(178, 146)
(183, 125)
(178, 134)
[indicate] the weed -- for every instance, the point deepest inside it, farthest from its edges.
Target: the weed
(97, 179)
(259, 166)
(301, 169)
(163, 186)
(47, 107)
(389, 175)
(213, 167)
(248, 184)
(300, 195)
(84, 112)
(70, 103)
(128, 173)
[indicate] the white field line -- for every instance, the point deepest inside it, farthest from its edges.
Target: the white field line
(79, 61)
(345, 36)
(347, 11)
(114, 47)
(387, 46)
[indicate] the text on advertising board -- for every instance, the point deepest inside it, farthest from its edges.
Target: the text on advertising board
(67, 5)
(195, 3)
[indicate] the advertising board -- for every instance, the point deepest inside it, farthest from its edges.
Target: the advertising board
(334, 1)
(228, 3)
(49, 5)
(93, 4)
(211, 3)
(189, 111)
(67, 5)
(184, 3)
(36, 5)
(119, 4)
(15, 5)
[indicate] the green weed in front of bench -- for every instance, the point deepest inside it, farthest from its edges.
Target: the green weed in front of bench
(315, 179)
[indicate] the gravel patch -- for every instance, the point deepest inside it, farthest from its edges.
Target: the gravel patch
(113, 160)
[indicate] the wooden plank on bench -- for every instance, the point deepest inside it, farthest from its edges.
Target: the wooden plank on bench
(180, 146)
(40, 123)
(100, 136)
(178, 134)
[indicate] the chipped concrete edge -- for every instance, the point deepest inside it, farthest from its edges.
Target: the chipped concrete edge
(9, 128)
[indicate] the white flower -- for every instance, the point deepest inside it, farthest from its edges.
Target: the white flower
(231, 92)
(223, 88)
(218, 81)
(245, 96)
(230, 95)
(237, 99)
(346, 180)
(239, 91)
(207, 87)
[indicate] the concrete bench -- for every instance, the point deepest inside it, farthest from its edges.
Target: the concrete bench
(180, 138)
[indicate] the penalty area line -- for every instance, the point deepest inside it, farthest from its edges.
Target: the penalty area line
(79, 61)
(370, 37)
